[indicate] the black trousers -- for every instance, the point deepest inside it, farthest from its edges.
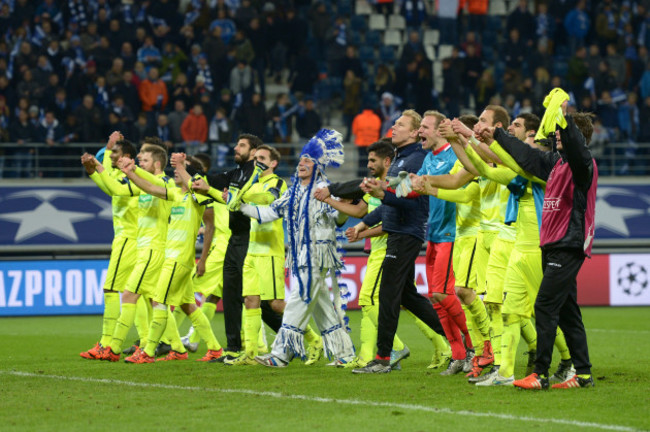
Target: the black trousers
(233, 265)
(398, 288)
(557, 304)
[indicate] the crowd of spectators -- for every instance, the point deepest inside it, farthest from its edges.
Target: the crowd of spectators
(195, 72)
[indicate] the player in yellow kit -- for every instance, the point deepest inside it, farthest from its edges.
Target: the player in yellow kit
(123, 249)
(174, 285)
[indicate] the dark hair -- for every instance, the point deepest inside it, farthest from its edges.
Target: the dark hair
(253, 140)
(127, 148)
(383, 148)
(205, 160)
(584, 122)
(273, 152)
(531, 121)
(468, 120)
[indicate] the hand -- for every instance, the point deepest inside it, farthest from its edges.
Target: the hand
(126, 165)
(460, 128)
(322, 194)
(565, 105)
(446, 130)
(112, 139)
(420, 185)
(224, 194)
(485, 134)
(178, 159)
(200, 268)
(86, 158)
(201, 186)
(352, 235)
(373, 187)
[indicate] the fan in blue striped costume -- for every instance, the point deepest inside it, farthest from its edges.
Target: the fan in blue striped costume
(312, 256)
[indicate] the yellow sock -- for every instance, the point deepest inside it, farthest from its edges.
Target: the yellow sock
(477, 339)
(179, 317)
(252, 324)
(529, 333)
(142, 317)
(171, 335)
(496, 329)
(440, 344)
(122, 327)
(509, 344)
(368, 335)
(560, 344)
(208, 309)
(111, 313)
(261, 338)
(202, 327)
(312, 337)
(480, 316)
(157, 328)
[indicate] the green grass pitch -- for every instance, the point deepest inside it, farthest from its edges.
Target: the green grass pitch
(45, 385)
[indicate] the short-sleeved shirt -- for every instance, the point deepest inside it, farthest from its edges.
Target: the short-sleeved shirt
(184, 222)
(266, 239)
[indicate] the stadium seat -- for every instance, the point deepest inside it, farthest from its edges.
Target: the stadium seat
(373, 38)
(354, 38)
(445, 51)
(437, 68)
(393, 37)
(367, 54)
(430, 52)
(560, 68)
(431, 37)
(377, 22)
(359, 23)
(497, 7)
(362, 7)
(387, 54)
(397, 22)
(344, 7)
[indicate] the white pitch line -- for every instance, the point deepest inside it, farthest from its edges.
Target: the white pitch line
(308, 398)
(618, 331)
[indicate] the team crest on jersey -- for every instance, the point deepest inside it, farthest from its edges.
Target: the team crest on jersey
(401, 163)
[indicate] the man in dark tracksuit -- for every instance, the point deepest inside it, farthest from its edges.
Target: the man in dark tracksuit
(238, 244)
(566, 237)
(404, 219)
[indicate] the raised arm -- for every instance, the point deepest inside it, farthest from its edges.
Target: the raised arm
(577, 153)
(128, 167)
(358, 210)
(500, 175)
(461, 196)
(534, 161)
(509, 162)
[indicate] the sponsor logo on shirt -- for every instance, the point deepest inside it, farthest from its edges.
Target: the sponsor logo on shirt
(178, 211)
(551, 204)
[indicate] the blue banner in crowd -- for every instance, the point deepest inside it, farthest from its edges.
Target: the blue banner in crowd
(54, 216)
(52, 287)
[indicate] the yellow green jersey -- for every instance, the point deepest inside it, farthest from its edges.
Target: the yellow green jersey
(379, 242)
(490, 204)
(468, 205)
(125, 208)
(184, 222)
(266, 239)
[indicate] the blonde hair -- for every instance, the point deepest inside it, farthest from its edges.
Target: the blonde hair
(437, 114)
(416, 119)
(158, 153)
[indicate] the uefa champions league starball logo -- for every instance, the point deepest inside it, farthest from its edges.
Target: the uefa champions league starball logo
(632, 279)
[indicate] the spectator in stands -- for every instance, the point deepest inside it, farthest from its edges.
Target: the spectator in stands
(90, 120)
(128, 90)
(163, 131)
(607, 112)
(366, 128)
(50, 132)
(320, 21)
(176, 118)
(384, 80)
(605, 80)
(153, 94)
(304, 74)
(140, 128)
(128, 56)
(515, 51)
(241, 80)
(204, 71)
(173, 61)
(115, 73)
(194, 131)
(226, 25)
(606, 24)
(472, 71)
(336, 41)
(122, 111)
(308, 121)
(181, 90)
(60, 105)
(277, 37)
(644, 83)
(257, 35)
(389, 112)
(544, 25)
(352, 86)
(281, 115)
(521, 19)
(617, 65)
(22, 132)
(477, 10)
(243, 47)
(252, 117)
(578, 70)
(351, 63)
(448, 21)
(384, 6)
(451, 89)
(28, 88)
(577, 25)
(220, 132)
(412, 46)
(415, 12)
